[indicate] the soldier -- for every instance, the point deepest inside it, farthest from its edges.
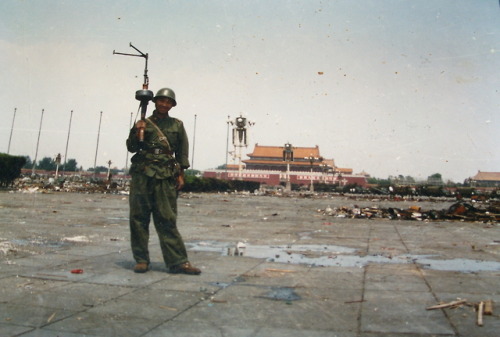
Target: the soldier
(157, 175)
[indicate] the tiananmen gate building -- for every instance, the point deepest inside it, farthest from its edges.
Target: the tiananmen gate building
(273, 165)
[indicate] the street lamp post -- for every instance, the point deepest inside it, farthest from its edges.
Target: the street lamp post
(109, 171)
(58, 162)
(325, 169)
(312, 159)
(227, 141)
(288, 157)
(240, 139)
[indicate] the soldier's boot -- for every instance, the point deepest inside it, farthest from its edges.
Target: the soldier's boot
(185, 268)
(141, 267)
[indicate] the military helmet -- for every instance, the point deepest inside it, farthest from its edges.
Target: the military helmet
(165, 92)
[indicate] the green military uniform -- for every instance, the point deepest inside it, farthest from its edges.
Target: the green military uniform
(153, 188)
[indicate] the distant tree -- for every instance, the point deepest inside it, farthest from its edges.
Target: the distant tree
(46, 164)
(221, 167)
(436, 176)
(197, 184)
(71, 165)
(435, 179)
(450, 183)
(190, 172)
(29, 163)
(378, 181)
(99, 169)
(402, 180)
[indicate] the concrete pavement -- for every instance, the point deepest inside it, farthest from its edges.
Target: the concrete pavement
(301, 273)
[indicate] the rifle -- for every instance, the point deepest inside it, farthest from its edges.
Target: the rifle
(144, 95)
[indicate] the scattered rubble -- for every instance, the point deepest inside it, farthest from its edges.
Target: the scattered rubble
(75, 184)
(452, 304)
(488, 213)
(6, 247)
(78, 238)
(481, 308)
(238, 250)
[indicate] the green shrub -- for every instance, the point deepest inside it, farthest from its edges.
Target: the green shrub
(10, 168)
(197, 184)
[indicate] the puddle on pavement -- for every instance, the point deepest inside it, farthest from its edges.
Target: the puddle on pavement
(220, 284)
(36, 243)
(463, 265)
(338, 256)
(282, 294)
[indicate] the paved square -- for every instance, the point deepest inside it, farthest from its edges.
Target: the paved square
(296, 272)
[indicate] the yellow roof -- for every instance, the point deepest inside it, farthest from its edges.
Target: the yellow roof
(488, 176)
(277, 151)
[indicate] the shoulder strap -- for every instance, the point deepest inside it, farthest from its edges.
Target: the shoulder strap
(161, 135)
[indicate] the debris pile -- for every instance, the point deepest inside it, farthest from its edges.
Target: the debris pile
(459, 211)
(74, 184)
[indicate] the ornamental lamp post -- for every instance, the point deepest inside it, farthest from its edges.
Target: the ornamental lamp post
(240, 138)
(58, 162)
(109, 170)
(288, 157)
(324, 170)
(228, 122)
(312, 159)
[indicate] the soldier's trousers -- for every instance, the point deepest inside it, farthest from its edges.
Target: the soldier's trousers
(157, 197)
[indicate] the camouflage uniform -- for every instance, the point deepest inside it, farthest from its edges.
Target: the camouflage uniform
(153, 190)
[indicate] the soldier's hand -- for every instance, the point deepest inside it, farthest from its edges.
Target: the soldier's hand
(180, 182)
(140, 124)
(140, 127)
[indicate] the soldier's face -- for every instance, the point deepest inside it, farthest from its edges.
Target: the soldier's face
(163, 105)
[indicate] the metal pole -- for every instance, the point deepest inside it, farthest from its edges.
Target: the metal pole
(67, 143)
(312, 182)
(11, 130)
(227, 140)
(97, 146)
(240, 167)
(194, 139)
(37, 143)
(129, 127)
(311, 161)
(288, 186)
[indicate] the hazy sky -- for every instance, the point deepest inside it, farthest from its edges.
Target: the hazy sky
(386, 86)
